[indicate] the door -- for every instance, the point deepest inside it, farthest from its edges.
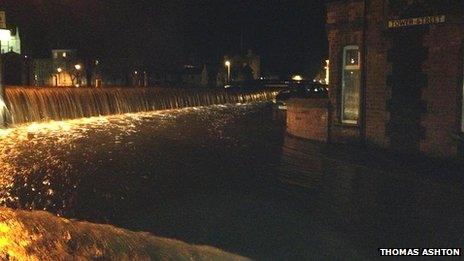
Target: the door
(407, 82)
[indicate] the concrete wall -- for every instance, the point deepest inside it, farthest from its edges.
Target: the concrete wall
(308, 118)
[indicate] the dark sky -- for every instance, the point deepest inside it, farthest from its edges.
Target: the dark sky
(289, 35)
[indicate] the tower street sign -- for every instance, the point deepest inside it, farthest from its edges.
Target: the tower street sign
(438, 19)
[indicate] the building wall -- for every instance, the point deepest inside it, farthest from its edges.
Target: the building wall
(377, 70)
(59, 70)
(344, 26)
(17, 69)
(441, 95)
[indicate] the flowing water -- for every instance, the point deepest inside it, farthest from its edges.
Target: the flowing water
(44, 104)
(226, 176)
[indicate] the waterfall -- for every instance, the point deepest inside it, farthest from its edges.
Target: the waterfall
(26, 104)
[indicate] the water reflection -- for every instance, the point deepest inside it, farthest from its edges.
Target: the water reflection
(92, 166)
(227, 176)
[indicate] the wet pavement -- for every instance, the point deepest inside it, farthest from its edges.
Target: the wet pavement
(229, 176)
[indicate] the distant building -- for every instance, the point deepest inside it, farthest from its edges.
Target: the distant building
(63, 69)
(213, 75)
(139, 78)
(190, 75)
(324, 74)
(12, 45)
(244, 67)
(17, 69)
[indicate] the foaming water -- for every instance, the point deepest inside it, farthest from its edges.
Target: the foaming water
(44, 104)
(213, 175)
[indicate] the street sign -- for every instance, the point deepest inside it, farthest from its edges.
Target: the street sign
(437, 19)
(2, 20)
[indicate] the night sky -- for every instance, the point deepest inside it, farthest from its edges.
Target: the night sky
(289, 35)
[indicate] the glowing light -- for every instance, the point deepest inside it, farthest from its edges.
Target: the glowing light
(78, 66)
(5, 35)
(327, 71)
(59, 70)
(227, 63)
(297, 78)
(65, 54)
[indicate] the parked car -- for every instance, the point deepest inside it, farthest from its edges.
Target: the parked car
(301, 90)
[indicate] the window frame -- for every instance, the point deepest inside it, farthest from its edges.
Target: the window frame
(345, 68)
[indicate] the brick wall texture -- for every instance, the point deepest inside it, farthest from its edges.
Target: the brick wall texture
(443, 69)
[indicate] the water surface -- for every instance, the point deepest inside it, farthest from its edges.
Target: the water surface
(228, 176)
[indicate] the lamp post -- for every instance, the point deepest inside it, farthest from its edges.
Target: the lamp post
(57, 80)
(78, 68)
(228, 71)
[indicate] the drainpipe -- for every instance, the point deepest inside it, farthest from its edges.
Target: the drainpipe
(364, 76)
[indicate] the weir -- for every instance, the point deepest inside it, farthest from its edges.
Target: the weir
(27, 104)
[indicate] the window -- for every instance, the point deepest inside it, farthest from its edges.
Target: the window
(351, 83)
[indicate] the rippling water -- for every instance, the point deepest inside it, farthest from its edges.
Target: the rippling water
(44, 165)
(228, 176)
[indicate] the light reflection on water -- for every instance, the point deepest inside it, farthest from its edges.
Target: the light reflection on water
(227, 176)
(42, 165)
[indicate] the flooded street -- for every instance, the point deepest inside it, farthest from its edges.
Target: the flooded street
(229, 177)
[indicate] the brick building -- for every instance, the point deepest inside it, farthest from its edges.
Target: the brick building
(396, 70)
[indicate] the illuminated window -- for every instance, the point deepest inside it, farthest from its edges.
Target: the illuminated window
(351, 83)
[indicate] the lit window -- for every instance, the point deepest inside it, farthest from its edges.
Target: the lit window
(351, 83)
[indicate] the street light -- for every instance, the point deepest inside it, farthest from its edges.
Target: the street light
(78, 67)
(228, 71)
(327, 71)
(57, 76)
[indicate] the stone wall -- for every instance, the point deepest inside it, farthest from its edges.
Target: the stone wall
(308, 118)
